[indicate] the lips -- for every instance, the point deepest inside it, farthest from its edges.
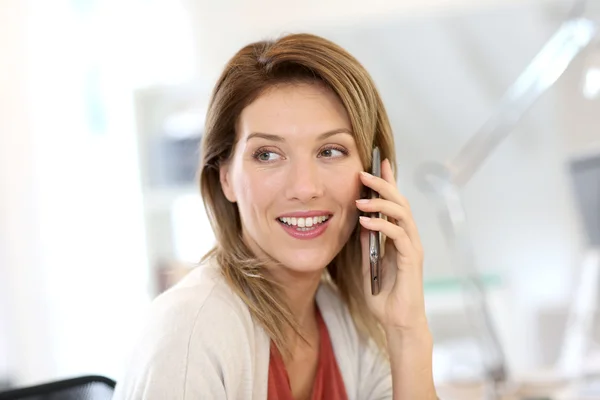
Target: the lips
(305, 225)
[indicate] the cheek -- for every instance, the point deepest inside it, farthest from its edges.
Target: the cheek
(256, 190)
(345, 186)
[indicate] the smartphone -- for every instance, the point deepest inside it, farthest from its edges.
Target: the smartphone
(374, 236)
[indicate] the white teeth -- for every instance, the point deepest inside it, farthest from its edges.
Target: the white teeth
(304, 222)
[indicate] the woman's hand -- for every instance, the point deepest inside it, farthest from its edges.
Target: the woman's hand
(400, 304)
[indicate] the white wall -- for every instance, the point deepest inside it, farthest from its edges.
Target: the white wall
(237, 22)
(23, 307)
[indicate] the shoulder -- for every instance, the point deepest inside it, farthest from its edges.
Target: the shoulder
(202, 293)
(201, 303)
(198, 327)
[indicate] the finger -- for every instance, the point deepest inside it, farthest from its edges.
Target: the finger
(388, 175)
(393, 232)
(386, 190)
(400, 214)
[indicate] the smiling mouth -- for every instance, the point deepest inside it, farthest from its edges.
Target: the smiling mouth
(304, 224)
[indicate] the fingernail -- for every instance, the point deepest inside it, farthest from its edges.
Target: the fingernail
(362, 200)
(364, 219)
(366, 174)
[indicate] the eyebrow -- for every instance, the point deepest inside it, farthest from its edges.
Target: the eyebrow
(277, 138)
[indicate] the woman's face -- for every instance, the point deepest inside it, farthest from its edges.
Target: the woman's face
(294, 175)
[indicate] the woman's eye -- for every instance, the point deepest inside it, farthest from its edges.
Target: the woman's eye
(266, 156)
(332, 153)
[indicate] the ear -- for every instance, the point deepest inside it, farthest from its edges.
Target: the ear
(226, 183)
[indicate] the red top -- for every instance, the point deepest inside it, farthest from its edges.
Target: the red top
(328, 383)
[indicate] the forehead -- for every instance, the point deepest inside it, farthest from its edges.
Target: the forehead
(294, 109)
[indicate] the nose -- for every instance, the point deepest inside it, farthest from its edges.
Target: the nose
(304, 182)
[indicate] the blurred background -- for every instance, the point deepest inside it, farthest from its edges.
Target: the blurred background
(102, 104)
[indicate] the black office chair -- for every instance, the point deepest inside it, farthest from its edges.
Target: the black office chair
(82, 388)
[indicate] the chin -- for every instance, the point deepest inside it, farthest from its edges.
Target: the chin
(299, 261)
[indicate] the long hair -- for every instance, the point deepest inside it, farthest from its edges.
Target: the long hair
(297, 58)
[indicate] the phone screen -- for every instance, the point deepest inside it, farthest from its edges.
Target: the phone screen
(374, 237)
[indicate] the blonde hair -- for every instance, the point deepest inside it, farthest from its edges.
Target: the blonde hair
(296, 58)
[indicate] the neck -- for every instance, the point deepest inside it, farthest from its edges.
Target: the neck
(300, 291)
(299, 288)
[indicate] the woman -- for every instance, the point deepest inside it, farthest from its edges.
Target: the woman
(281, 308)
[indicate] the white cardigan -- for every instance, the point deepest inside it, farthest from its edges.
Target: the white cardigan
(201, 343)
